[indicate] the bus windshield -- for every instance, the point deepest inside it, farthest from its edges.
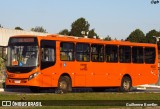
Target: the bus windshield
(22, 56)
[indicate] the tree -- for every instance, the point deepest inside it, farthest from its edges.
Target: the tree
(2, 62)
(137, 36)
(1, 26)
(18, 28)
(78, 26)
(108, 38)
(39, 29)
(150, 36)
(92, 33)
(64, 32)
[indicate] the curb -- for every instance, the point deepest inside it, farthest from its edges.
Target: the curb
(1, 90)
(13, 90)
(145, 87)
(149, 86)
(141, 88)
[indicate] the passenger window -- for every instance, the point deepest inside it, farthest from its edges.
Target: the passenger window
(150, 55)
(137, 55)
(125, 54)
(111, 53)
(48, 57)
(48, 54)
(83, 52)
(67, 51)
(97, 53)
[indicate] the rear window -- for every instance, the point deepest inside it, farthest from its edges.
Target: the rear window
(150, 54)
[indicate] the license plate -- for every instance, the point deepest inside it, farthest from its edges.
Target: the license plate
(17, 81)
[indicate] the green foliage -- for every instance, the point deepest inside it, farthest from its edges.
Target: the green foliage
(137, 36)
(1, 26)
(92, 33)
(2, 65)
(151, 36)
(78, 26)
(108, 38)
(82, 25)
(18, 28)
(64, 32)
(39, 29)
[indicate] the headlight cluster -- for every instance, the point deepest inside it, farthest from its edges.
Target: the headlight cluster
(33, 75)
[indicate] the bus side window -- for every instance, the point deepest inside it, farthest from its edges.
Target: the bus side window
(67, 51)
(97, 53)
(137, 55)
(111, 53)
(48, 57)
(83, 52)
(125, 54)
(150, 55)
(48, 54)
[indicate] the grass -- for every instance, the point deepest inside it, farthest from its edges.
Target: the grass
(80, 96)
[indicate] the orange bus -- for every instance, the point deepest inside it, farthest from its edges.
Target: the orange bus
(66, 62)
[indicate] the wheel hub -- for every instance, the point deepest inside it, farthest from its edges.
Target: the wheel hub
(63, 85)
(126, 85)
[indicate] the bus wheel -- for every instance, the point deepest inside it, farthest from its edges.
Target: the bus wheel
(125, 84)
(69, 83)
(64, 84)
(34, 89)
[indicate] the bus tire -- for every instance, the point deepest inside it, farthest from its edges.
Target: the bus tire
(70, 83)
(126, 84)
(34, 89)
(64, 84)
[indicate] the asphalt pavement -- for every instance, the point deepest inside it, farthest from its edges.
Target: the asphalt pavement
(138, 89)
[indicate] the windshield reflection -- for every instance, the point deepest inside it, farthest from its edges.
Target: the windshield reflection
(22, 56)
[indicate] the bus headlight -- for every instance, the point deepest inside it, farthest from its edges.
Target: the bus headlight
(33, 75)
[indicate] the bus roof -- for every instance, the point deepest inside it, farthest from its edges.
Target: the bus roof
(86, 40)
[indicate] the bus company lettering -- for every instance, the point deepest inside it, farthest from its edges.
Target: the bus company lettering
(83, 67)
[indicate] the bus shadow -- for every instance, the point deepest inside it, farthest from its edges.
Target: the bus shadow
(74, 90)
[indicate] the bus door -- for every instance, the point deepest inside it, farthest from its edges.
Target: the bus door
(48, 49)
(83, 58)
(80, 76)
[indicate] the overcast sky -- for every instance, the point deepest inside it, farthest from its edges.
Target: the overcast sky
(117, 18)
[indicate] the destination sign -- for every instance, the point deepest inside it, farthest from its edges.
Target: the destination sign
(20, 40)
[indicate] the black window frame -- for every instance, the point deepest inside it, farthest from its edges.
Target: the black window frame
(51, 44)
(67, 52)
(111, 58)
(148, 60)
(82, 56)
(137, 55)
(98, 55)
(123, 57)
